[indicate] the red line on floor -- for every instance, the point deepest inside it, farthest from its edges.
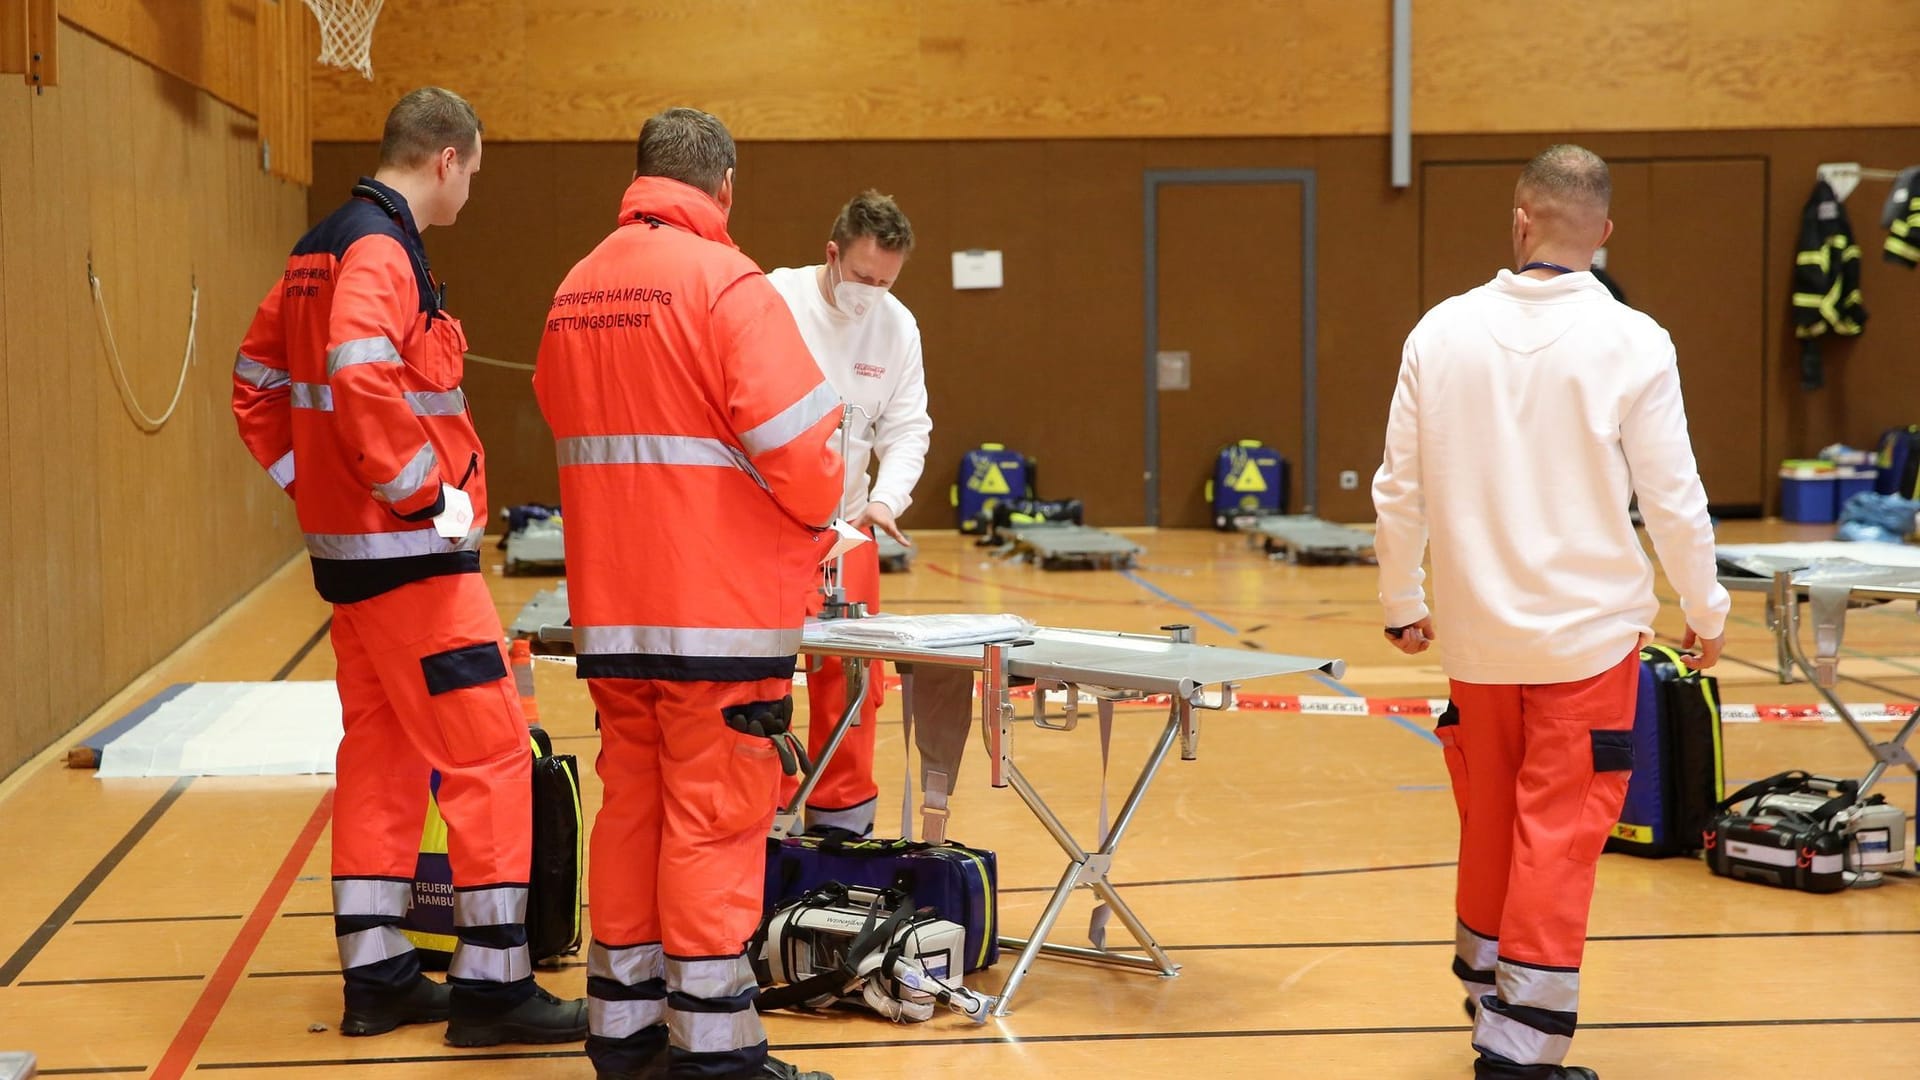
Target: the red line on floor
(193, 1030)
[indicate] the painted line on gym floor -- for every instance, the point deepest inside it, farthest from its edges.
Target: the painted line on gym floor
(294, 662)
(330, 973)
(786, 1048)
(96, 1070)
(193, 1030)
(112, 980)
(156, 919)
(1042, 593)
(1758, 935)
(1163, 594)
(37, 941)
(1248, 877)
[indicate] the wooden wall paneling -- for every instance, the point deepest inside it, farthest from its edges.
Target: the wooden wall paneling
(1229, 283)
(28, 351)
(15, 271)
(82, 369)
(43, 44)
(15, 38)
(209, 44)
(114, 250)
(1369, 291)
(1707, 223)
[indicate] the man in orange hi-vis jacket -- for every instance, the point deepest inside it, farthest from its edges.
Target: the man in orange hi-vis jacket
(693, 432)
(347, 391)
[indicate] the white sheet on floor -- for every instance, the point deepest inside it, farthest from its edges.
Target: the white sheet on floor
(232, 729)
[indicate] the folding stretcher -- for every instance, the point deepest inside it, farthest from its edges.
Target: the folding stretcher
(1828, 589)
(1063, 546)
(537, 546)
(1106, 666)
(1303, 538)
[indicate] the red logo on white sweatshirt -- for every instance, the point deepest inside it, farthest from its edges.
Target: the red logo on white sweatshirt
(871, 371)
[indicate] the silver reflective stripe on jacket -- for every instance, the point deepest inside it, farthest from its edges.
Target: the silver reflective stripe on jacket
(645, 450)
(793, 421)
(256, 374)
(388, 545)
(373, 350)
(437, 402)
(413, 476)
(315, 396)
(371, 896)
(684, 641)
(282, 470)
(498, 905)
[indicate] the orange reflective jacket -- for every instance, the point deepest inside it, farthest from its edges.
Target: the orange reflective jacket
(694, 438)
(351, 371)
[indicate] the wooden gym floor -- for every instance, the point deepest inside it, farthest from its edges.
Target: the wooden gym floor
(1301, 870)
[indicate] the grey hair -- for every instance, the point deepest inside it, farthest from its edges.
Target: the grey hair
(686, 145)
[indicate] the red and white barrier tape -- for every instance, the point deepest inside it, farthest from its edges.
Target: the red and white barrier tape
(1341, 705)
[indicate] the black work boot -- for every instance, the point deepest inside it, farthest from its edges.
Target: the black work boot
(1491, 1069)
(775, 1069)
(541, 1018)
(422, 1002)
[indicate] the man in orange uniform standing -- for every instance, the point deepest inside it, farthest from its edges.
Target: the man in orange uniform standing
(347, 391)
(1528, 412)
(693, 432)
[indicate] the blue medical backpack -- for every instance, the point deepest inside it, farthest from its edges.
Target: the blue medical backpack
(1249, 482)
(1899, 462)
(988, 474)
(959, 883)
(1678, 762)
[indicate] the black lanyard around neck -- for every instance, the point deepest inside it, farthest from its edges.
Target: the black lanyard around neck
(1548, 266)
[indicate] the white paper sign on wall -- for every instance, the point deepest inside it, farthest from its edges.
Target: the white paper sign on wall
(976, 269)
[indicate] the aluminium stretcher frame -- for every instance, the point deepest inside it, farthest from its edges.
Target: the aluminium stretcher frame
(1062, 546)
(1786, 590)
(1111, 667)
(1303, 538)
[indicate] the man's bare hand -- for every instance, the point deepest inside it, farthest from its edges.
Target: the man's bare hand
(1413, 639)
(877, 515)
(1701, 653)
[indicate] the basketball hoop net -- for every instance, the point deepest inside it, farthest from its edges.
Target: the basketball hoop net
(346, 32)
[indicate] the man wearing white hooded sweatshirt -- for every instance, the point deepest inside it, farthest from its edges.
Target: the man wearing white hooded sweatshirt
(1528, 412)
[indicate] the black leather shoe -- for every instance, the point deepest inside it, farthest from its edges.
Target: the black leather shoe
(541, 1018)
(424, 1002)
(775, 1069)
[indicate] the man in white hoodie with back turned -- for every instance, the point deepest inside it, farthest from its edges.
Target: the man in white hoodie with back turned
(868, 345)
(1528, 412)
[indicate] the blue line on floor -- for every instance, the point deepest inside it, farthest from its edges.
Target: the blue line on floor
(1174, 600)
(1425, 787)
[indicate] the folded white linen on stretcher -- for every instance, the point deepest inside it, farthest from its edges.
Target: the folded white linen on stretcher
(922, 631)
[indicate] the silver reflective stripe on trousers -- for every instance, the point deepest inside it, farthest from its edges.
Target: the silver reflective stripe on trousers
(365, 947)
(370, 896)
(1501, 1034)
(619, 1019)
(711, 979)
(498, 905)
(391, 545)
(645, 450)
(629, 966)
(1536, 988)
(793, 421)
(413, 476)
(315, 396)
(481, 964)
(684, 641)
(1478, 953)
(256, 374)
(373, 350)
(282, 470)
(858, 820)
(714, 1033)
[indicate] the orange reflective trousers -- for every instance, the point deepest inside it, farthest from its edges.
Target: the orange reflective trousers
(422, 677)
(846, 795)
(1539, 775)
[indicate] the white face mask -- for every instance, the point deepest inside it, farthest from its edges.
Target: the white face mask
(855, 299)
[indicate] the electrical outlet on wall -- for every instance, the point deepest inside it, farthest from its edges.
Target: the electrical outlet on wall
(1349, 480)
